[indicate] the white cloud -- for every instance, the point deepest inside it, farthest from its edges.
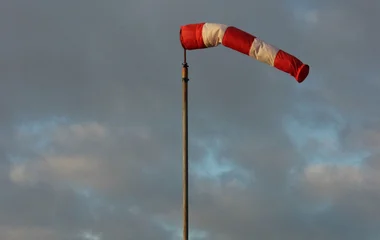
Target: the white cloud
(79, 132)
(30, 233)
(334, 180)
(308, 16)
(51, 164)
(327, 174)
(89, 235)
(74, 170)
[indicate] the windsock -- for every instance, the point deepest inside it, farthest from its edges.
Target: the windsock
(207, 35)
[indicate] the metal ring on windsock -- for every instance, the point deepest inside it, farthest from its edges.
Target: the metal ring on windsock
(206, 35)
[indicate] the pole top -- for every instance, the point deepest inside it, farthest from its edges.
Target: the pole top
(185, 72)
(184, 57)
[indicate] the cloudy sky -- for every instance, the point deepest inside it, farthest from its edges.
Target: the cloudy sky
(90, 127)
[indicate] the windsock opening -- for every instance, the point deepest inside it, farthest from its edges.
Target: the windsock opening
(302, 73)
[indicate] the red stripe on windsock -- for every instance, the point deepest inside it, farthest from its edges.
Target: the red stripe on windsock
(238, 40)
(292, 65)
(191, 36)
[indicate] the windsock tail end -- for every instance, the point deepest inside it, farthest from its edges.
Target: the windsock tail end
(302, 73)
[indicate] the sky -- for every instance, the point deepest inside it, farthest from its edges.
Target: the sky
(90, 127)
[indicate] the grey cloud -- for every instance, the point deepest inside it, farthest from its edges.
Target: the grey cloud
(118, 64)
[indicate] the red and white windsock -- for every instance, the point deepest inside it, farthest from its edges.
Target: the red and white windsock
(206, 35)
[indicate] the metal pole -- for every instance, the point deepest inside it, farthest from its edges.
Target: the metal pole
(185, 168)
